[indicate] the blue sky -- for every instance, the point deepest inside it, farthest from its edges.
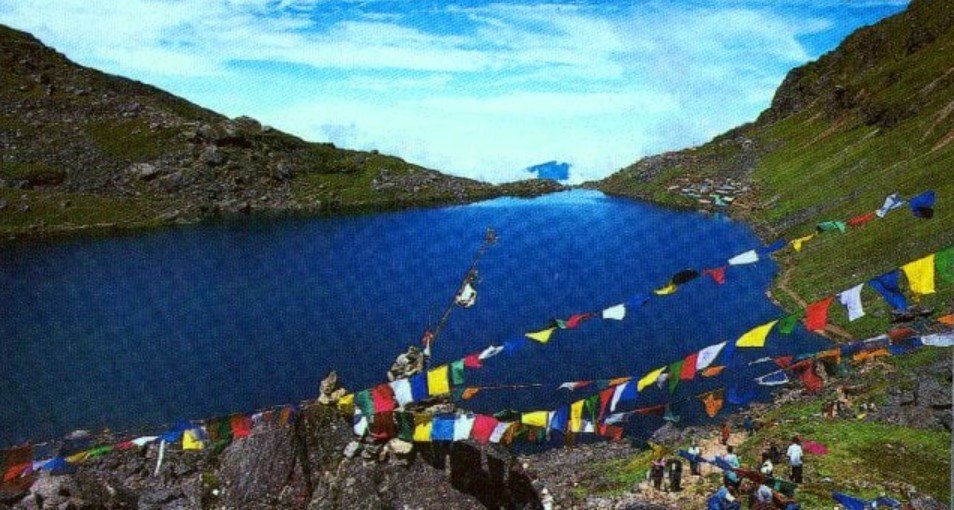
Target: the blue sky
(477, 89)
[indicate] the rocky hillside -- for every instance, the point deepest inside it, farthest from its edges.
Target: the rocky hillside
(82, 148)
(872, 117)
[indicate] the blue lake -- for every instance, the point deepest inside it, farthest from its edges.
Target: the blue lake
(205, 320)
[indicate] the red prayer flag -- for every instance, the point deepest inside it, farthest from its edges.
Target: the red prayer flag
(613, 432)
(858, 221)
(605, 397)
(688, 371)
(806, 373)
(483, 427)
(473, 361)
(898, 334)
(816, 314)
(125, 445)
(241, 425)
(383, 427)
(784, 361)
(575, 320)
(717, 274)
(383, 397)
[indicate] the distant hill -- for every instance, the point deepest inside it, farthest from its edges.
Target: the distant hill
(82, 148)
(872, 117)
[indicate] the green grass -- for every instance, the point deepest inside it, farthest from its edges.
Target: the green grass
(129, 141)
(47, 211)
(36, 174)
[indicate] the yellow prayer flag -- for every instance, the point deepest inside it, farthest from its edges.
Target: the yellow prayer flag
(346, 404)
(437, 383)
(618, 381)
(576, 416)
(422, 432)
(756, 336)
(535, 418)
(191, 441)
(797, 243)
(78, 457)
(649, 378)
(542, 336)
(920, 275)
(668, 289)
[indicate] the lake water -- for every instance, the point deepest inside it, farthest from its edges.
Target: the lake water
(205, 320)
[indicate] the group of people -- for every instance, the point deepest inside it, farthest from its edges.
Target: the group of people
(761, 496)
(667, 467)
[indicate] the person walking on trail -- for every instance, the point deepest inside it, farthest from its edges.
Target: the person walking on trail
(656, 472)
(725, 432)
(767, 467)
(795, 458)
(731, 478)
(695, 452)
(749, 426)
(675, 474)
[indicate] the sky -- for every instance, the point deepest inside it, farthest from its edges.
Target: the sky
(476, 89)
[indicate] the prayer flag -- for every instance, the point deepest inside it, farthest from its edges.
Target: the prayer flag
(891, 202)
(920, 275)
(708, 355)
(383, 397)
(442, 428)
(405, 426)
(772, 248)
(490, 352)
(849, 502)
(851, 298)
(467, 296)
(688, 371)
(402, 392)
(887, 286)
(675, 371)
(457, 372)
(860, 220)
(576, 416)
(514, 345)
(944, 264)
(684, 276)
(383, 426)
(939, 339)
(144, 440)
(241, 425)
(575, 320)
(483, 427)
(422, 429)
(638, 300)
(670, 288)
(574, 385)
(717, 274)
(618, 394)
(535, 418)
(748, 257)
(713, 402)
(617, 312)
(773, 379)
(542, 336)
(649, 378)
(558, 420)
(816, 314)
(499, 431)
(365, 402)
(713, 371)
(191, 440)
(922, 206)
(419, 387)
(591, 406)
(798, 242)
(469, 393)
(947, 319)
(463, 426)
(825, 226)
(787, 324)
(359, 423)
(437, 383)
(756, 336)
(806, 373)
(473, 361)
(346, 403)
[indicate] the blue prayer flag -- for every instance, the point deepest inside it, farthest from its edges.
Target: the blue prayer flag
(442, 428)
(558, 422)
(887, 286)
(772, 248)
(849, 502)
(638, 300)
(419, 387)
(512, 346)
(922, 206)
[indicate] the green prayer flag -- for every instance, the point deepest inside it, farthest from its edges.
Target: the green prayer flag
(944, 263)
(365, 403)
(560, 323)
(674, 370)
(833, 225)
(100, 451)
(591, 406)
(787, 324)
(220, 433)
(457, 372)
(405, 426)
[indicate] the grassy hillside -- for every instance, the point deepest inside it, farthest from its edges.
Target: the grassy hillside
(872, 117)
(82, 149)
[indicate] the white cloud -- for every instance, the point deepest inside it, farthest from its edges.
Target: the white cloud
(511, 85)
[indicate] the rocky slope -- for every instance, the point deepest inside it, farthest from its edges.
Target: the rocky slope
(81, 148)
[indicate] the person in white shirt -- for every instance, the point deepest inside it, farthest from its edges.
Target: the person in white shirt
(794, 454)
(767, 466)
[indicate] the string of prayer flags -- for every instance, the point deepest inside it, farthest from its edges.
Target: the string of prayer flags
(920, 274)
(437, 383)
(860, 220)
(616, 312)
(851, 298)
(717, 274)
(542, 336)
(826, 226)
(816, 314)
(749, 257)
(713, 402)
(798, 242)
(649, 378)
(888, 286)
(891, 202)
(922, 206)
(756, 336)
